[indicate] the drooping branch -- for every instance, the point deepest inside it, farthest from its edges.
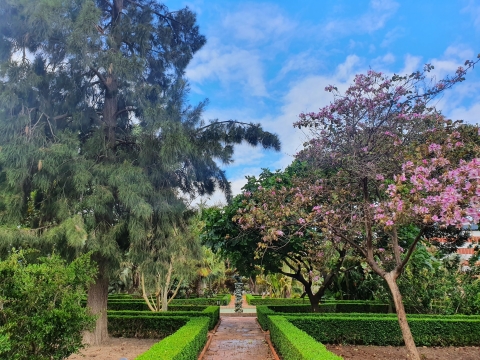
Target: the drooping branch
(224, 122)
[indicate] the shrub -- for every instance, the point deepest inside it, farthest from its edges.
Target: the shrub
(262, 316)
(184, 344)
(384, 330)
(41, 316)
(335, 307)
(253, 300)
(212, 312)
(295, 344)
(144, 326)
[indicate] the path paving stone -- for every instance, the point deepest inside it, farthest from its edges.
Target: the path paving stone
(238, 338)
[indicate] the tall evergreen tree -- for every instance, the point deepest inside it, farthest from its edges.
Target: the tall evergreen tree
(98, 144)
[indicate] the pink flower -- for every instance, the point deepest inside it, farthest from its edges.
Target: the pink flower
(301, 221)
(279, 233)
(389, 223)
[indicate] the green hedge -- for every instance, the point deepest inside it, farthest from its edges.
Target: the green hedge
(339, 307)
(385, 330)
(253, 300)
(294, 310)
(185, 344)
(294, 344)
(143, 326)
(212, 312)
(224, 300)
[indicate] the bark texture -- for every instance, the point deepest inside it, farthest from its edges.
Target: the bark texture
(391, 280)
(97, 303)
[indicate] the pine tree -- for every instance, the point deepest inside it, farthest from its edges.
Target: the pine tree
(99, 146)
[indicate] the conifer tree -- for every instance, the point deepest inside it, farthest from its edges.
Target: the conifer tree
(99, 146)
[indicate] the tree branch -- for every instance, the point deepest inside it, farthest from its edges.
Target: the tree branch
(100, 76)
(410, 251)
(223, 122)
(396, 250)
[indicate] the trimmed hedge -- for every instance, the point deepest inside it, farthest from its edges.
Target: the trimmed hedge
(185, 344)
(224, 300)
(212, 312)
(252, 300)
(295, 310)
(140, 305)
(339, 307)
(143, 326)
(385, 330)
(294, 344)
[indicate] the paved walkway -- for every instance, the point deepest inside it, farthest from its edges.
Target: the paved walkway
(238, 338)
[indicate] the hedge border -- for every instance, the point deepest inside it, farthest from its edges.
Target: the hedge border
(143, 326)
(263, 311)
(385, 330)
(185, 344)
(224, 300)
(212, 312)
(295, 344)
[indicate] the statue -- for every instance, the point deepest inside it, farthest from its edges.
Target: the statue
(238, 293)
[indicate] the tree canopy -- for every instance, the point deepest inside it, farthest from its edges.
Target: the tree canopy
(392, 161)
(99, 145)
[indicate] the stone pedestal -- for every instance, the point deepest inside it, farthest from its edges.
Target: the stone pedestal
(238, 297)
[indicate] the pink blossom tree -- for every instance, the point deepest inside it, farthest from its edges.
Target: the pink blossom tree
(390, 160)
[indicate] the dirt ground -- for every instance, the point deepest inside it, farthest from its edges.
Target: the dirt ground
(351, 352)
(115, 349)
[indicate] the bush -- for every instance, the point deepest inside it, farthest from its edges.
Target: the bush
(41, 316)
(254, 300)
(262, 316)
(212, 312)
(295, 344)
(185, 344)
(140, 305)
(144, 326)
(384, 330)
(337, 307)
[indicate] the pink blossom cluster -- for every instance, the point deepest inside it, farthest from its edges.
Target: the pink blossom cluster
(439, 192)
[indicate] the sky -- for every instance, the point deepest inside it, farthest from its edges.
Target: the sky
(268, 61)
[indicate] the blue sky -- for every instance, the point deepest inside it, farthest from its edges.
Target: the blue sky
(267, 61)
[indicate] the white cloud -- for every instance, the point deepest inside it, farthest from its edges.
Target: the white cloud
(473, 9)
(470, 115)
(304, 62)
(375, 18)
(228, 65)
(257, 23)
(392, 35)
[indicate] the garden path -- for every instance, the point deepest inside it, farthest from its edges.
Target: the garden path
(238, 338)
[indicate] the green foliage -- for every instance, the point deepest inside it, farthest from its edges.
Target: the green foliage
(185, 344)
(385, 330)
(329, 308)
(252, 300)
(99, 146)
(295, 344)
(212, 312)
(225, 236)
(144, 326)
(41, 316)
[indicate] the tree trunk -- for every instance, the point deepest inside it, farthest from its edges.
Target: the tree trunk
(313, 298)
(97, 302)
(165, 299)
(391, 280)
